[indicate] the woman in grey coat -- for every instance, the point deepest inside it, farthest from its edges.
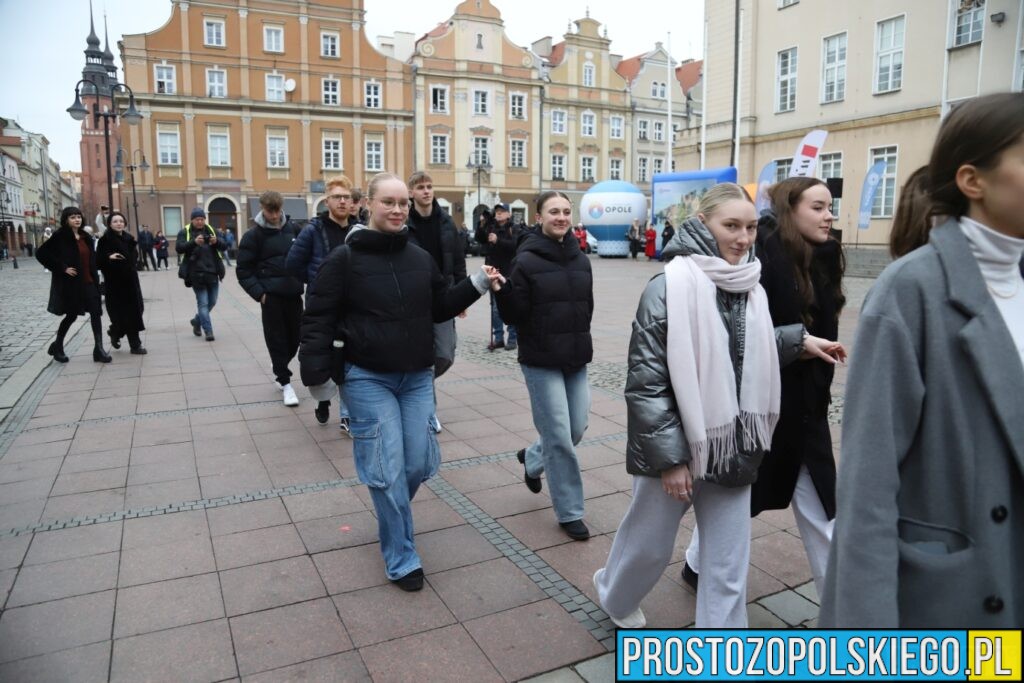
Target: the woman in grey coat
(931, 476)
(701, 411)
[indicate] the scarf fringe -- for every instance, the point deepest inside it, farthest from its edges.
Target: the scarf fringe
(717, 452)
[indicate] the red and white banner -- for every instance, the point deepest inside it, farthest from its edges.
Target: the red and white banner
(806, 156)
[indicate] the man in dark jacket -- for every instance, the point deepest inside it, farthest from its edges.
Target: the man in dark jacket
(666, 236)
(432, 229)
(146, 255)
(500, 237)
(204, 269)
(326, 232)
(262, 273)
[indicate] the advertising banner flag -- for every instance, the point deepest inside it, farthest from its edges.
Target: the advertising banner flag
(806, 156)
(764, 181)
(867, 195)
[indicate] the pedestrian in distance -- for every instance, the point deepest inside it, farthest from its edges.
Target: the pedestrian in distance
(581, 236)
(369, 324)
(929, 518)
(500, 235)
(202, 268)
(701, 411)
(100, 222)
(160, 246)
(222, 237)
(70, 256)
(667, 233)
(802, 276)
(322, 235)
(433, 230)
(549, 296)
(633, 236)
(650, 242)
(146, 255)
(262, 273)
(116, 252)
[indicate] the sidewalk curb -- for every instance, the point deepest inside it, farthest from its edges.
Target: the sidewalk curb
(18, 383)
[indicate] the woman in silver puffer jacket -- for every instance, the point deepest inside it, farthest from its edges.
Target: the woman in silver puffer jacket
(701, 411)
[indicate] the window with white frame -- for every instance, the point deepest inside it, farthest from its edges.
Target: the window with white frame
(831, 166)
(587, 168)
(885, 196)
(277, 148)
(275, 88)
(833, 66)
(889, 54)
(663, 91)
(970, 22)
(782, 168)
(330, 145)
(213, 32)
(785, 80)
(439, 149)
(165, 79)
(616, 125)
(481, 150)
(659, 164)
(641, 169)
(374, 147)
(517, 153)
(330, 87)
(588, 75)
(329, 43)
(615, 169)
(588, 124)
(558, 118)
(654, 88)
(641, 128)
(218, 145)
(558, 167)
(273, 38)
(438, 99)
(517, 105)
(168, 142)
(172, 220)
(659, 131)
(371, 95)
(481, 102)
(216, 83)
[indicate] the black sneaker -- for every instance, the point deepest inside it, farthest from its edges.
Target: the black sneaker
(576, 529)
(496, 345)
(511, 346)
(690, 577)
(323, 412)
(197, 329)
(209, 337)
(533, 483)
(411, 582)
(343, 425)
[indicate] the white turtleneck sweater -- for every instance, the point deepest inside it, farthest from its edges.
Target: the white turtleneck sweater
(999, 257)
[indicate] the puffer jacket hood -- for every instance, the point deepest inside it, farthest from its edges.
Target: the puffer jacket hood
(262, 221)
(549, 249)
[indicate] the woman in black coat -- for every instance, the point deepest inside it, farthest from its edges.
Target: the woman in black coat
(70, 257)
(115, 254)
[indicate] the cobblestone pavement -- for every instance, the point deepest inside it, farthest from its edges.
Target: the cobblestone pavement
(25, 326)
(166, 517)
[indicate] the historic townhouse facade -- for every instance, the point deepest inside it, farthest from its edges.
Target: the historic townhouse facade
(240, 96)
(877, 75)
(478, 108)
(587, 115)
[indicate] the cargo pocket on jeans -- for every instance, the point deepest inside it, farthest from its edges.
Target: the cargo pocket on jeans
(433, 453)
(368, 451)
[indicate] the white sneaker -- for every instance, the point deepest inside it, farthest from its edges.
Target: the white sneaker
(290, 399)
(435, 424)
(634, 620)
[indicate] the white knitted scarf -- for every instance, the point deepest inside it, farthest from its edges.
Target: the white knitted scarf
(700, 367)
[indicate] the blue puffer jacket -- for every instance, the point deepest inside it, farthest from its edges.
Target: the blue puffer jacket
(310, 249)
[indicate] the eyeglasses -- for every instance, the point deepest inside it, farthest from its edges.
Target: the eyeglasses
(390, 204)
(340, 197)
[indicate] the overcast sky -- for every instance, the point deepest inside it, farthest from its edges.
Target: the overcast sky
(43, 43)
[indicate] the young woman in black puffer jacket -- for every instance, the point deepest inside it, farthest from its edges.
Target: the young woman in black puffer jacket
(550, 297)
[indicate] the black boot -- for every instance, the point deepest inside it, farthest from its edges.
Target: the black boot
(57, 351)
(99, 355)
(115, 341)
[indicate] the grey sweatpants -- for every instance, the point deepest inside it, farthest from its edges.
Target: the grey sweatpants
(645, 542)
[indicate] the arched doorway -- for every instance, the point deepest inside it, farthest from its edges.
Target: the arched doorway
(321, 206)
(223, 214)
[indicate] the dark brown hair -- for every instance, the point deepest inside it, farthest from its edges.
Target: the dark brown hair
(784, 198)
(110, 217)
(913, 219)
(976, 133)
(543, 197)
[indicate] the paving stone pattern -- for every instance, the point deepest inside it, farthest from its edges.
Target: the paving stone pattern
(25, 326)
(165, 517)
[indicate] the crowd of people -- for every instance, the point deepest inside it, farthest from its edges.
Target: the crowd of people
(730, 366)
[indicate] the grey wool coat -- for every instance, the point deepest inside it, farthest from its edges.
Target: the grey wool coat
(930, 522)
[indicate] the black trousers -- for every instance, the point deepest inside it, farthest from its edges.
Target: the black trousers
(282, 316)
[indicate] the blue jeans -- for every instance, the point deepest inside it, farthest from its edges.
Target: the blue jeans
(498, 325)
(560, 402)
(206, 299)
(395, 451)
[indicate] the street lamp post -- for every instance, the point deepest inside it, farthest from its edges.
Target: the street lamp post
(78, 112)
(142, 166)
(479, 166)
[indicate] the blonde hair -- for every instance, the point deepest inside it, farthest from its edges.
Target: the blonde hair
(720, 194)
(338, 180)
(371, 189)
